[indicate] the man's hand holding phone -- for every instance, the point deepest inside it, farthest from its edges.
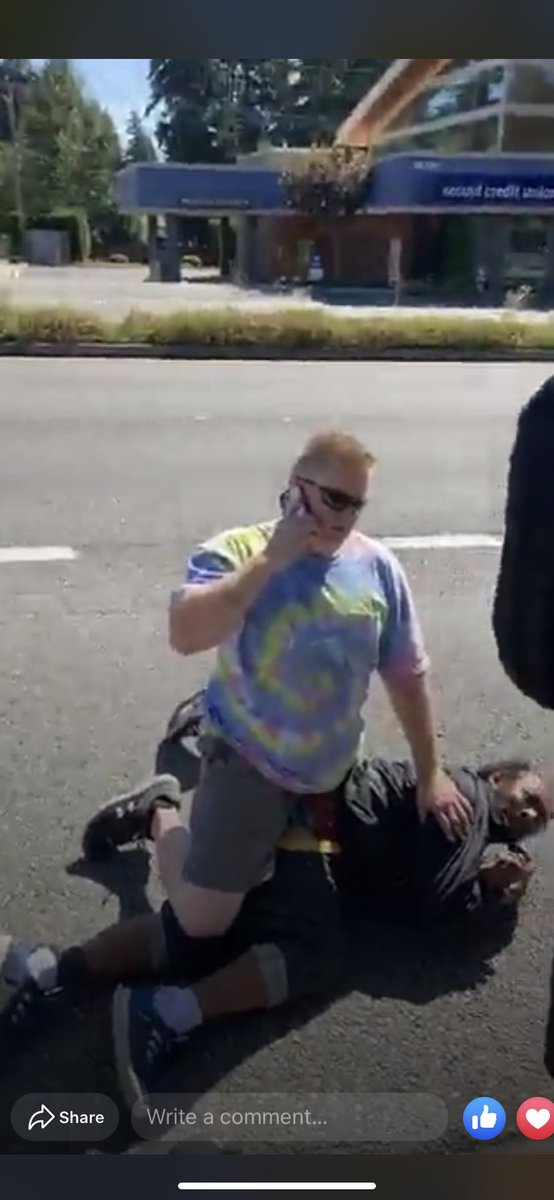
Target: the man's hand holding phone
(293, 532)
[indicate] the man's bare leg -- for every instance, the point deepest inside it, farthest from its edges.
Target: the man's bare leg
(202, 912)
(152, 811)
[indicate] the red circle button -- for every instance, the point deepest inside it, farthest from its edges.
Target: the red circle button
(535, 1118)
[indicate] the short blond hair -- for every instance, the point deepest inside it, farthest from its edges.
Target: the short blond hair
(331, 445)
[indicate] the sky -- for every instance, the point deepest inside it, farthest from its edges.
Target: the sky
(120, 84)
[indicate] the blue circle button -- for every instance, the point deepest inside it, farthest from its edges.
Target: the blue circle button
(484, 1118)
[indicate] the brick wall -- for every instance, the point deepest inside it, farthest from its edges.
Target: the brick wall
(354, 251)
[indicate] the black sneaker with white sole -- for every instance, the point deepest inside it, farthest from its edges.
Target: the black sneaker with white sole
(127, 818)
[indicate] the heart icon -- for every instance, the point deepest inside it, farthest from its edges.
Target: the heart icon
(537, 1117)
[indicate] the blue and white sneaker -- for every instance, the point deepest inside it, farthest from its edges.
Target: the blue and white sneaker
(144, 1045)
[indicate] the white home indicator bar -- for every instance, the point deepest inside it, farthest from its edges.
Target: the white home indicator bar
(277, 1187)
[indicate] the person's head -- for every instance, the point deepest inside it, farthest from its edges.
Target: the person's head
(521, 802)
(332, 474)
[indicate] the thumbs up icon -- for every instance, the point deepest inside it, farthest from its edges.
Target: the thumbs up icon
(484, 1118)
(487, 1120)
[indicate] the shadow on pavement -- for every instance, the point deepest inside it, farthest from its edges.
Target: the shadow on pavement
(124, 876)
(383, 960)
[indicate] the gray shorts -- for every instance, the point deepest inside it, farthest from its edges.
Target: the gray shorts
(236, 820)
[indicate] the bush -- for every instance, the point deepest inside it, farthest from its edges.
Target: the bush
(281, 330)
(327, 182)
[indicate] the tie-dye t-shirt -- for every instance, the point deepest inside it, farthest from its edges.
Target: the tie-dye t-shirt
(288, 689)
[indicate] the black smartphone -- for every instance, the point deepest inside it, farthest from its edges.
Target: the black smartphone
(292, 497)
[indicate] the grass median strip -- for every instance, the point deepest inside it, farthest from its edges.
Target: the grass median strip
(278, 330)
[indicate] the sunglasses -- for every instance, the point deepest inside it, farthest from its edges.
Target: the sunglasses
(334, 498)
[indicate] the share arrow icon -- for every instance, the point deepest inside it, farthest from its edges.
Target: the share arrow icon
(43, 1118)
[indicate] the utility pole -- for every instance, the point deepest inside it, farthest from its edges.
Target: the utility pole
(9, 99)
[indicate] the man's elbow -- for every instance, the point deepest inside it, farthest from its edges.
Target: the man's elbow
(180, 632)
(189, 636)
(405, 679)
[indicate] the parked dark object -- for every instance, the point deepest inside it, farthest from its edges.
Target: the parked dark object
(523, 612)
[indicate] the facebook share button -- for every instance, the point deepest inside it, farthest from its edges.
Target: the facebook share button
(59, 1117)
(484, 1118)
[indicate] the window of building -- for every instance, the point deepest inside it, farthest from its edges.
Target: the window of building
(531, 83)
(471, 137)
(528, 236)
(454, 99)
(528, 134)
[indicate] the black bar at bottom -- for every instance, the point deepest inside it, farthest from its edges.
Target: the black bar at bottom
(104, 1177)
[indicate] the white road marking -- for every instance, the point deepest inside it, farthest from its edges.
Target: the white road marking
(446, 541)
(432, 541)
(37, 554)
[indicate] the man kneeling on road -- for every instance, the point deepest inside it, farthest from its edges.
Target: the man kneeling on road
(374, 856)
(303, 610)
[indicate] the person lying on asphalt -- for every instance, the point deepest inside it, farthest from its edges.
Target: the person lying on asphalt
(366, 854)
(302, 611)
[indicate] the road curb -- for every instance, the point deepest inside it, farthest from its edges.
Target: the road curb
(247, 352)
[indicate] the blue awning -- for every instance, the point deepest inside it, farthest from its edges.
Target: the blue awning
(403, 182)
(170, 187)
(501, 181)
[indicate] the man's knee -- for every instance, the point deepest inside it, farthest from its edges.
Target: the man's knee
(203, 913)
(301, 969)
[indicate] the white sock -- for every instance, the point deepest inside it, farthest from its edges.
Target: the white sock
(22, 961)
(43, 967)
(178, 1008)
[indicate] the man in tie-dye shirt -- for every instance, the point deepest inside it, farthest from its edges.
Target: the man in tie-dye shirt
(302, 611)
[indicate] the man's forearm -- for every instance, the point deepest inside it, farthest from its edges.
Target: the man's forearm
(206, 614)
(410, 698)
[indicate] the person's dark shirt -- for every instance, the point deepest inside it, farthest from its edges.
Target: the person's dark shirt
(390, 859)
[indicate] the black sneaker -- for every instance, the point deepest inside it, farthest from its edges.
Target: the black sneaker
(127, 818)
(186, 722)
(144, 1045)
(27, 1009)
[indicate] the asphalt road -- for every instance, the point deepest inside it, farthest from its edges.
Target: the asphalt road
(131, 464)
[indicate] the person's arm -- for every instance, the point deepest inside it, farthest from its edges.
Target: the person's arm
(203, 615)
(219, 589)
(404, 666)
(410, 698)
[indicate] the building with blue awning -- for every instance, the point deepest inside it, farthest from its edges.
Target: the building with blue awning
(463, 180)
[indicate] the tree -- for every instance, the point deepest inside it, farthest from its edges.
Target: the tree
(327, 182)
(140, 147)
(16, 79)
(186, 91)
(16, 75)
(315, 96)
(71, 146)
(215, 109)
